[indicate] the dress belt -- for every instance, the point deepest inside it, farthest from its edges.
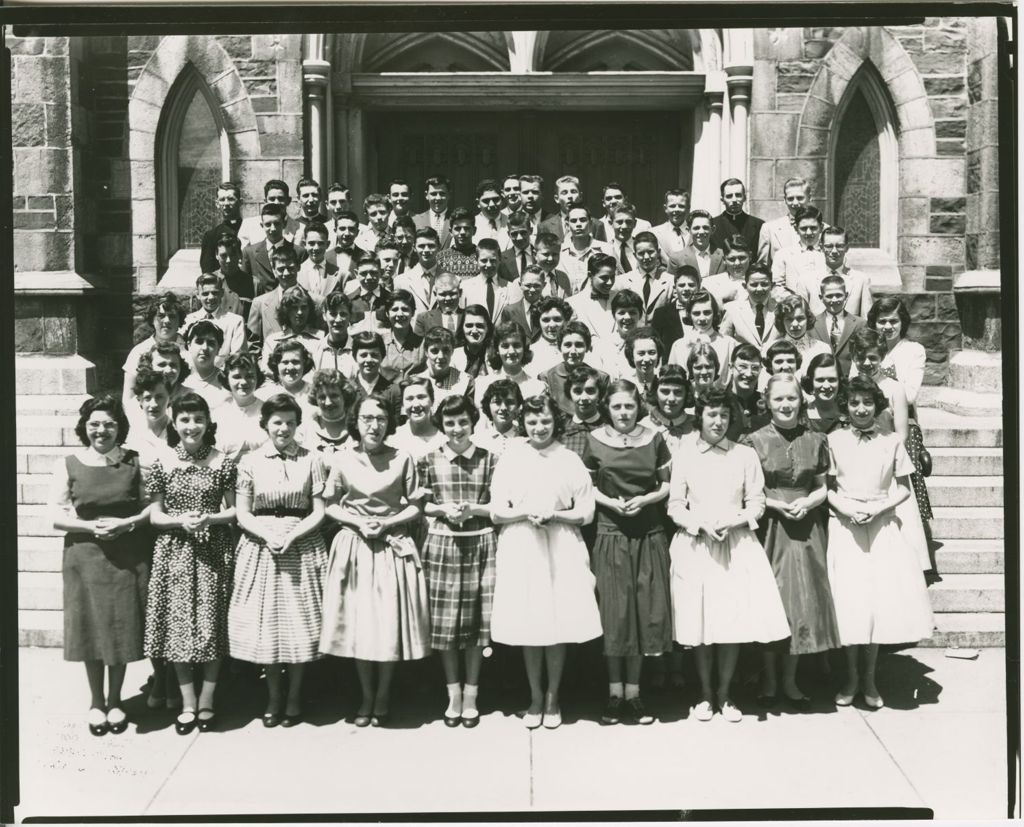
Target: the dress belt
(281, 512)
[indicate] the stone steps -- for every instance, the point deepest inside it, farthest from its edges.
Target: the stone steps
(942, 429)
(52, 404)
(961, 630)
(970, 557)
(966, 491)
(46, 430)
(966, 462)
(964, 523)
(968, 593)
(40, 459)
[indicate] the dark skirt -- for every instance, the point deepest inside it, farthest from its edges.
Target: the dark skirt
(634, 594)
(796, 550)
(105, 585)
(915, 445)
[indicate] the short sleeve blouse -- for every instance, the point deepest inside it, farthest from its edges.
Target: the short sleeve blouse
(380, 484)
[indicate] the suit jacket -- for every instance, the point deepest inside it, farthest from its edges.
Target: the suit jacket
(851, 324)
(858, 289)
(208, 255)
(738, 322)
(775, 235)
(554, 224)
(661, 289)
(474, 291)
(412, 280)
(668, 240)
(562, 282)
(256, 262)
(517, 312)
(744, 224)
(508, 264)
(331, 278)
(687, 257)
(344, 261)
(422, 220)
(666, 323)
(263, 315)
(432, 318)
(606, 232)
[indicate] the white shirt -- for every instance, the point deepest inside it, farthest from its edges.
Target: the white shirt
(499, 232)
(573, 262)
(231, 324)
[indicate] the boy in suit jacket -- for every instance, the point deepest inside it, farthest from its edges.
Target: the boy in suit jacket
(699, 253)
(263, 313)
(488, 288)
(567, 194)
(256, 257)
(437, 191)
(523, 312)
(521, 254)
(446, 311)
(651, 281)
(836, 324)
(858, 285)
(556, 282)
(365, 290)
(670, 321)
(593, 304)
(420, 279)
(752, 319)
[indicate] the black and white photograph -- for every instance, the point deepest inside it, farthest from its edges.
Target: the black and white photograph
(459, 418)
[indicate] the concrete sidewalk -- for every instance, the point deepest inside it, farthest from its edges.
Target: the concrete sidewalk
(940, 743)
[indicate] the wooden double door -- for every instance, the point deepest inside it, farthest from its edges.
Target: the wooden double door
(646, 152)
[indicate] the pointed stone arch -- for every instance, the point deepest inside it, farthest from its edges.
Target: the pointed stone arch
(233, 112)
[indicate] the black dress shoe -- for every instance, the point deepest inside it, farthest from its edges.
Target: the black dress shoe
(799, 704)
(471, 722)
(767, 701)
(209, 722)
(120, 726)
(291, 720)
(271, 719)
(362, 720)
(452, 721)
(636, 713)
(380, 719)
(102, 728)
(185, 722)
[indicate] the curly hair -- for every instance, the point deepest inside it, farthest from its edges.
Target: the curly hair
(580, 375)
(715, 397)
(501, 389)
(400, 295)
(540, 404)
(786, 309)
(291, 299)
(168, 303)
(242, 361)
(331, 378)
(289, 346)
(167, 350)
(509, 330)
(702, 296)
(147, 379)
(109, 404)
(193, 403)
(889, 304)
(576, 328)
(865, 340)
(862, 385)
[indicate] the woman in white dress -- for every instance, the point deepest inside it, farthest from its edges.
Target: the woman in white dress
(723, 589)
(238, 419)
(544, 598)
(418, 436)
(867, 347)
(877, 587)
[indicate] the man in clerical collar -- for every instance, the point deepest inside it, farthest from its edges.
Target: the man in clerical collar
(733, 220)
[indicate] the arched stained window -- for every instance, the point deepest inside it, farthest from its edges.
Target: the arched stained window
(864, 175)
(192, 158)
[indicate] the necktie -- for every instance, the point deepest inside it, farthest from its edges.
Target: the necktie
(522, 262)
(553, 286)
(532, 317)
(401, 265)
(624, 260)
(833, 334)
(759, 320)
(647, 289)
(494, 224)
(490, 298)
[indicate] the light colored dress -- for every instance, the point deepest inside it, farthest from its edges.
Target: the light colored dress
(877, 587)
(722, 591)
(238, 429)
(275, 609)
(544, 590)
(375, 596)
(415, 446)
(722, 345)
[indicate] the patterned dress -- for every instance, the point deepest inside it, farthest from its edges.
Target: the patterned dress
(190, 582)
(877, 587)
(791, 460)
(275, 610)
(375, 597)
(630, 558)
(458, 560)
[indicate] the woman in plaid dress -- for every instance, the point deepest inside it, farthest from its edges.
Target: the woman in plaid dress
(274, 616)
(375, 600)
(458, 556)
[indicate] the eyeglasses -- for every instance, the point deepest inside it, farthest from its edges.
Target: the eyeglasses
(371, 420)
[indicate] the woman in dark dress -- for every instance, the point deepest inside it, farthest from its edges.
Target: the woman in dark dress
(795, 461)
(98, 499)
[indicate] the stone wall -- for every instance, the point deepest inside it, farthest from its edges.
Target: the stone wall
(945, 164)
(44, 218)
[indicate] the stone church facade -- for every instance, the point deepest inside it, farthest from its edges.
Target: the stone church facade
(118, 142)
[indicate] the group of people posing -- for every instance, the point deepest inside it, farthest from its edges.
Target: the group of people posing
(378, 465)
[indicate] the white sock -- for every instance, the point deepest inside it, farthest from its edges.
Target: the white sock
(454, 700)
(469, 709)
(632, 691)
(614, 690)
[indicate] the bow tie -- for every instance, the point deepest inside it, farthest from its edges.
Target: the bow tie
(865, 433)
(598, 296)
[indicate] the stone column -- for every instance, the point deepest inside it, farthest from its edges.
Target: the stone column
(707, 153)
(315, 74)
(738, 48)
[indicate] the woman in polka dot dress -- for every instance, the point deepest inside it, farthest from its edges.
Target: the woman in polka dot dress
(193, 493)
